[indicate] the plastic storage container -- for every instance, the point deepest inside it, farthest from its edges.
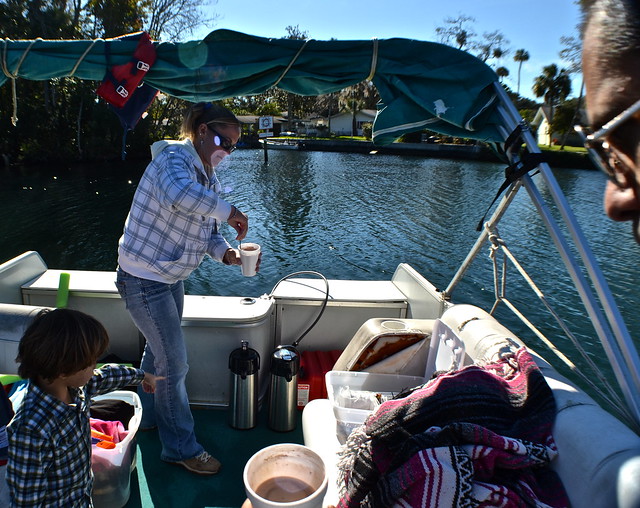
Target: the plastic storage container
(355, 395)
(112, 467)
(388, 346)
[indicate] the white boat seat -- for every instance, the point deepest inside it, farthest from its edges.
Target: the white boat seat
(14, 320)
(16, 272)
(598, 459)
(598, 456)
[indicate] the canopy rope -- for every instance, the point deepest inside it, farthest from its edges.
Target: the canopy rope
(79, 61)
(500, 284)
(374, 60)
(13, 75)
(292, 62)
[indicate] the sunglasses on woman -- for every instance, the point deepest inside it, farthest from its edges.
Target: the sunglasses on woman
(225, 143)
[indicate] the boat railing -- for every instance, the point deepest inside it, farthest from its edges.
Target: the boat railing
(601, 306)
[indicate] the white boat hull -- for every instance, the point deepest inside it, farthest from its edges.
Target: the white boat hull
(281, 144)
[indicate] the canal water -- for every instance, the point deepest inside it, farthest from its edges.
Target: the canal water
(347, 216)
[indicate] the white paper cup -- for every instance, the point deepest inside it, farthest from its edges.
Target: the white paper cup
(285, 475)
(249, 253)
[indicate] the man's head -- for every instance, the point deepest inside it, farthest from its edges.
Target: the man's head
(611, 67)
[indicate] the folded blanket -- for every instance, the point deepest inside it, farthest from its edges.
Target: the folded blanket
(480, 436)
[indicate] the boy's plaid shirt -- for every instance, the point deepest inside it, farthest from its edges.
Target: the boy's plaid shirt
(50, 442)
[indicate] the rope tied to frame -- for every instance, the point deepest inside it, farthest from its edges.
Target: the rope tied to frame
(79, 61)
(13, 75)
(498, 245)
(374, 60)
(293, 60)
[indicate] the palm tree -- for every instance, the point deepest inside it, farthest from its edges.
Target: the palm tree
(522, 55)
(553, 85)
(502, 73)
(462, 38)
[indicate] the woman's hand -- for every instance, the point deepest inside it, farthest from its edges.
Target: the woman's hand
(232, 257)
(238, 221)
(149, 382)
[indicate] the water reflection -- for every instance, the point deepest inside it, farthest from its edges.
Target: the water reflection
(291, 190)
(347, 216)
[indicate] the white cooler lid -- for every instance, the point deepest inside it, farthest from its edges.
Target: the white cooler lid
(225, 309)
(79, 281)
(341, 290)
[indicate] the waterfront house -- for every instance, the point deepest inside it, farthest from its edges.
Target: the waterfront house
(342, 123)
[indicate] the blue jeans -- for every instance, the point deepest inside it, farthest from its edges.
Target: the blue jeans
(156, 310)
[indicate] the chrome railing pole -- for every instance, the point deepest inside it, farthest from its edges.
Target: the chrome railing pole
(618, 345)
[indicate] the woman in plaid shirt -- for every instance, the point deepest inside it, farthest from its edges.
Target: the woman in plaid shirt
(173, 223)
(50, 435)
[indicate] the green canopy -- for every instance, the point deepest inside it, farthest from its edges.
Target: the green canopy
(422, 85)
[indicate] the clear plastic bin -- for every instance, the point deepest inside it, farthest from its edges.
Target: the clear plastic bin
(355, 395)
(112, 467)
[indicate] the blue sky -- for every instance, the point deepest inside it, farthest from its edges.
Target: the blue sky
(534, 25)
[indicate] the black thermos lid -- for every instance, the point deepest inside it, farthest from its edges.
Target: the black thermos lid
(285, 362)
(244, 361)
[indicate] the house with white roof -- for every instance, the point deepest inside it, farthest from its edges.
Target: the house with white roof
(341, 124)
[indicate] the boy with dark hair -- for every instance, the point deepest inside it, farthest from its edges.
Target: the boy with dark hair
(50, 435)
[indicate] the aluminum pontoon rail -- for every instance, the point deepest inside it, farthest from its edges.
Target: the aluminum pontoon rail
(610, 326)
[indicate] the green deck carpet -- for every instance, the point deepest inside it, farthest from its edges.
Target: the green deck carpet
(155, 483)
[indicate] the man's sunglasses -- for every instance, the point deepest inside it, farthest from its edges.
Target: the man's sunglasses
(602, 154)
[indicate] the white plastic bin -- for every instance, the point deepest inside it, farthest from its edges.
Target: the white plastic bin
(112, 467)
(353, 394)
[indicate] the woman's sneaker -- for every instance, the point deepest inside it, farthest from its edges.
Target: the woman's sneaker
(201, 464)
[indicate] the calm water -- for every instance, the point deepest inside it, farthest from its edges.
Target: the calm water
(344, 215)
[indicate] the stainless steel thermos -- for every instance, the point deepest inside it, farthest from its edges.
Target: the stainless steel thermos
(244, 364)
(283, 390)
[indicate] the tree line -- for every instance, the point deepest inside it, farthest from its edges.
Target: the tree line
(63, 120)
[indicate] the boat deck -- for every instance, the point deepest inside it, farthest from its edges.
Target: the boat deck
(155, 483)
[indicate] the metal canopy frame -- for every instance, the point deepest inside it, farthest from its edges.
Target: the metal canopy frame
(600, 306)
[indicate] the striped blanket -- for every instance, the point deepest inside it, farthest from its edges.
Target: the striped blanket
(477, 437)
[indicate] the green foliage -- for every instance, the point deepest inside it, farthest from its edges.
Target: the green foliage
(563, 117)
(554, 85)
(63, 119)
(367, 130)
(458, 32)
(520, 56)
(268, 109)
(117, 17)
(528, 114)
